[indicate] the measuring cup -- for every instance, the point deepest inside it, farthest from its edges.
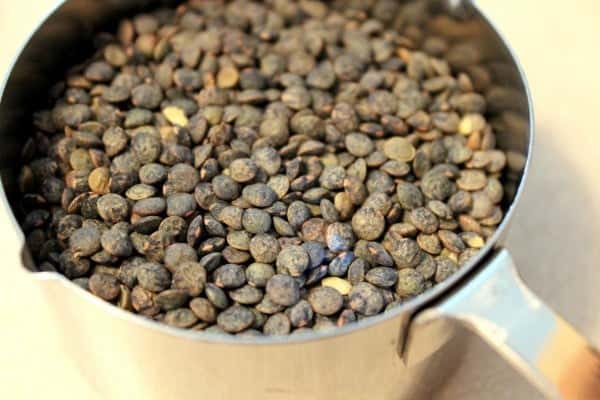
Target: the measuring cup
(405, 353)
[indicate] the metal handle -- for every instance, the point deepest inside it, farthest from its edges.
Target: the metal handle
(496, 305)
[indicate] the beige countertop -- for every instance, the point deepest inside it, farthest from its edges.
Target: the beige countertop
(555, 235)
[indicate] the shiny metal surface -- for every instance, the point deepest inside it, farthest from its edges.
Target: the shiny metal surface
(497, 306)
(126, 356)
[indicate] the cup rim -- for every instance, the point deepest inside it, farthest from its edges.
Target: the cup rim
(408, 308)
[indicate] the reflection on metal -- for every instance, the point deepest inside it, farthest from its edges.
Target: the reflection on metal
(497, 306)
(123, 355)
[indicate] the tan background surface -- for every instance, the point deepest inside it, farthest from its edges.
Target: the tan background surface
(555, 238)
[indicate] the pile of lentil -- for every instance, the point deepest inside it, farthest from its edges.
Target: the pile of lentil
(262, 168)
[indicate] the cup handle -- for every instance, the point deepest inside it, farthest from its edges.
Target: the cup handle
(496, 305)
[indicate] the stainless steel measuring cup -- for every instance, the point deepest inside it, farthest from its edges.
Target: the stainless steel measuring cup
(403, 354)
